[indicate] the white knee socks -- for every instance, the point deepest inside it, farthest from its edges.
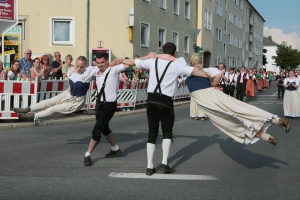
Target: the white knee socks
(265, 137)
(150, 153)
(166, 145)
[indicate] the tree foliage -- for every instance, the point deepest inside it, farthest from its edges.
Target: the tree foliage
(287, 58)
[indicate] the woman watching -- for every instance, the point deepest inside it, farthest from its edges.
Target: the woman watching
(37, 72)
(48, 70)
(67, 65)
(15, 72)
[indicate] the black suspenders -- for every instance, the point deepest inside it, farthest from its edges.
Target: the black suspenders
(161, 78)
(102, 92)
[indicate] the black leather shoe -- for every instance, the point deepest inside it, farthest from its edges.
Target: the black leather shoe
(22, 116)
(166, 169)
(113, 154)
(22, 110)
(149, 171)
(87, 161)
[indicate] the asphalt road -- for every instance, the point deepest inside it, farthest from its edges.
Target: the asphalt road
(47, 162)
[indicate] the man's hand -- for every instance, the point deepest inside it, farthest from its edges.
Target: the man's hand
(116, 61)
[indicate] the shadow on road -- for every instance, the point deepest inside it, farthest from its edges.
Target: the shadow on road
(247, 158)
(199, 145)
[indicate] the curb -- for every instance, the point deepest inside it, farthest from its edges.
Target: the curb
(75, 119)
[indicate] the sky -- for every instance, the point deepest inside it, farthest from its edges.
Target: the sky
(282, 20)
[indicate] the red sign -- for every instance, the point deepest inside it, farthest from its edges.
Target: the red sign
(7, 10)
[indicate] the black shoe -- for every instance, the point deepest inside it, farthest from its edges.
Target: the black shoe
(22, 110)
(87, 161)
(149, 171)
(26, 116)
(166, 169)
(113, 154)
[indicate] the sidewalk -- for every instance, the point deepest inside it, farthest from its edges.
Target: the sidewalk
(73, 118)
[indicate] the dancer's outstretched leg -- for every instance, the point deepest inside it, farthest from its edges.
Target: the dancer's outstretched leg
(266, 137)
(283, 123)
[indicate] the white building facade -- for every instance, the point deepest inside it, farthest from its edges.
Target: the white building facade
(271, 47)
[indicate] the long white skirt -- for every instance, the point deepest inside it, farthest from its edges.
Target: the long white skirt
(195, 110)
(291, 103)
(237, 119)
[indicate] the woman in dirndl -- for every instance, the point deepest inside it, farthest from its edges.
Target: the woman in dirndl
(266, 80)
(291, 96)
(241, 121)
(250, 85)
(260, 80)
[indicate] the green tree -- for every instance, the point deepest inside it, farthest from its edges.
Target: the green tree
(287, 58)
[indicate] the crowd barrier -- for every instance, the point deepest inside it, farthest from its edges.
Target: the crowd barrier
(24, 93)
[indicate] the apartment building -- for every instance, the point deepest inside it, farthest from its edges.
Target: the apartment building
(231, 32)
(121, 28)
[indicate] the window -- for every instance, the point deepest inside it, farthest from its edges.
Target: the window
(226, 5)
(237, 2)
(162, 4)
(247, 29)
(244, 19)
(161, 37)
(240, 24)
(247, 46)
(144, 35)
(62, 31)
(176, 40)
(241, 4)
(218, 59)
(219, 9)
(230, 39)
(186, 44)
(207, 19)
(236, 20)
(247, 11)
(225, 26)
(187, 10)
(176, 7)
(231, 17)
(218, 34)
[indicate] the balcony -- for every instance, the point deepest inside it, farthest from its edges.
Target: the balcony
(251, 21)
(250, 38)
(250, 54)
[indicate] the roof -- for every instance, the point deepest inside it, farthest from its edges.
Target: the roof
(268, 41)
(255, 10)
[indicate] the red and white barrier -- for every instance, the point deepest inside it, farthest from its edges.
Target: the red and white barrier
(142, 94)
(27, 93)
(50, 88)
(16, 94)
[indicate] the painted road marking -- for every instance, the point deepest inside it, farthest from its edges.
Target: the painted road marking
(163, 176)
(261, 101)
(267, 103)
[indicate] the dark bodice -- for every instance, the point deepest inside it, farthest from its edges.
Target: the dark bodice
(78, 89)
(197, 83)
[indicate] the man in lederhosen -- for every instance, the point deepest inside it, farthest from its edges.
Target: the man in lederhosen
(161, 87)
(107, 81)
(241, 84)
